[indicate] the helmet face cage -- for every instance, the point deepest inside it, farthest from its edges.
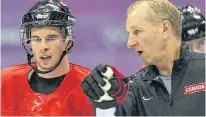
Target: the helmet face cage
(25, 32)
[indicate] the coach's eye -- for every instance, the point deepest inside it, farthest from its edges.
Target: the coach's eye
(136, 32)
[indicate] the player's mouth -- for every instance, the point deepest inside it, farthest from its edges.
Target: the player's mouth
(45, 58)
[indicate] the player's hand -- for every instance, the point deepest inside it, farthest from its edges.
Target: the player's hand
(104, 86)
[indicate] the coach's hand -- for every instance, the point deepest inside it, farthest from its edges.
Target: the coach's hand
(105, 87)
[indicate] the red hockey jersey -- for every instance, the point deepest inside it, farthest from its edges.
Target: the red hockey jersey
(19, 99)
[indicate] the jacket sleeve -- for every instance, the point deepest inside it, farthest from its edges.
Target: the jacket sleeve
(129, 107)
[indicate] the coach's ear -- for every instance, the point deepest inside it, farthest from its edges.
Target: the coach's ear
(166, 29)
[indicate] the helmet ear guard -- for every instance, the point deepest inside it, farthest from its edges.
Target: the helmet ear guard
(47, 13)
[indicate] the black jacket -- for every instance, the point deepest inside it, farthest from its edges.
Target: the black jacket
(149, 97)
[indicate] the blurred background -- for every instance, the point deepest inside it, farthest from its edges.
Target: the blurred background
(100, 32)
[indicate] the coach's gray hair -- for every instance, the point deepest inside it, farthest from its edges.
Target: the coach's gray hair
(160, 10)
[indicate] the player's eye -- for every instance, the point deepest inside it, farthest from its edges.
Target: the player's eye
(51, 37)
(35, 39)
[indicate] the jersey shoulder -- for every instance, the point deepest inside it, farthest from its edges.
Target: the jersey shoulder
(15, 71)
(80, 71)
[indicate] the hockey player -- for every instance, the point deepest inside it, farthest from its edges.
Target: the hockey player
(193, 28)
(50, 85)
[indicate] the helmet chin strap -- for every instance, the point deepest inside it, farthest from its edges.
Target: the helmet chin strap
(29, 57)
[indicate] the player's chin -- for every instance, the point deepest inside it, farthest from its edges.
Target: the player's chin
(46, 66)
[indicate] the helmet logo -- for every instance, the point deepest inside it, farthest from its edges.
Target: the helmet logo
(192, 31)
(196, 16)
(42, 16)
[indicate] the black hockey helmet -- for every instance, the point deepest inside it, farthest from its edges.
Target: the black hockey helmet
(193, 23)
(52, 13)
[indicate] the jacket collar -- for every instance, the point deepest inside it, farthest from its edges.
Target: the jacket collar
(183, 60)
